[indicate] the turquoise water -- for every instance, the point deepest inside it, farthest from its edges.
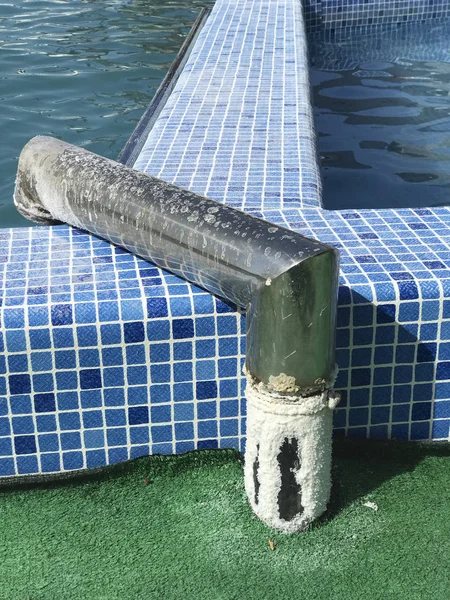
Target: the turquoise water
(83, 71)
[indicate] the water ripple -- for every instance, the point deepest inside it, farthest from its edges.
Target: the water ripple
(83, 71)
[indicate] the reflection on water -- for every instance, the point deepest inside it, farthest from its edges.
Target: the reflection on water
(83, 71)
(382, 109)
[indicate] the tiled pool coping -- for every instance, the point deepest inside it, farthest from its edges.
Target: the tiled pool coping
(104, 357)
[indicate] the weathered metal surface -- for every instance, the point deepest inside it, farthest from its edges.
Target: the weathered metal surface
(285, 281)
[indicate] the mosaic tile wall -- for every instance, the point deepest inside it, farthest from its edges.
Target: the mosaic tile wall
(410, 41)
(334, 14)
(104, 357)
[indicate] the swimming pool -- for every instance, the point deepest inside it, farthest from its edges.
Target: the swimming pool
(382, 110)
(83, 71)
(136, 361)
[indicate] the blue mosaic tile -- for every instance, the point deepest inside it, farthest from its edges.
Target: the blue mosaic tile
(336, 14)
(104, 357)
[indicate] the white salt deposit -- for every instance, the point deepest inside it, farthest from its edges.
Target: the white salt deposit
(269, 422)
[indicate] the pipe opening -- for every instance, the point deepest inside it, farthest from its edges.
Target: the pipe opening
(289, 496)
(255, 475)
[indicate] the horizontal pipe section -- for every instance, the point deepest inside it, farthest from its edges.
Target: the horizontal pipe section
(285, 281)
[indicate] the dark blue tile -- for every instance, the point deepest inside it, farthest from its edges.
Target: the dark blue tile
(138, 415)
(182, 328)
(402, 374)
(44, 403)
(408, 290)
(61, 314)
(24, 444)
(134, 332)
(207, 444)
(420, 431)
(90, 379)
(421, 411)
(19, 384)
(361, 377)
(434, 264)
(206, 389)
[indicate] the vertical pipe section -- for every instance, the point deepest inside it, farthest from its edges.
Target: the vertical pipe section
(285, 281)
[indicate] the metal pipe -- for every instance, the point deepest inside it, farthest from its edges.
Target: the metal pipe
(286, 282)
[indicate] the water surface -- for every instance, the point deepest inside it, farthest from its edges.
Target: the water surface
(83, 71)
(382, 110)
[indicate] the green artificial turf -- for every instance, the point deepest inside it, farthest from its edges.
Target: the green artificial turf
(188, 532)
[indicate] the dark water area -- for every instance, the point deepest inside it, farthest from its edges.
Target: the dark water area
(83, 71)
(382, 111)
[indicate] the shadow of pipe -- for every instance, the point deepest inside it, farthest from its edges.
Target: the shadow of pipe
(361, 466)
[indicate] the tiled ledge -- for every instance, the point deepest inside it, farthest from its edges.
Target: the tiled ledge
(104, 357)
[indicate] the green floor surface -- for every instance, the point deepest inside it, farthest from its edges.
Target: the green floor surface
(187, 532)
